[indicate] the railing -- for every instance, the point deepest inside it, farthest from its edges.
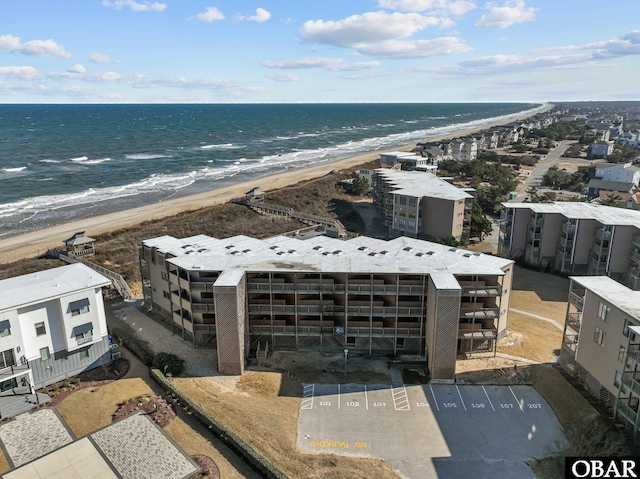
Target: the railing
(577, 298)
(634, 352)
(574, 321)
(486, 333)
(481, 291)
(480, 313)
(10, 371)
(202, 308)
(626, 411)
(317, 330)
(635, 240)
(118, 281)
(629, 380)
(634, 256)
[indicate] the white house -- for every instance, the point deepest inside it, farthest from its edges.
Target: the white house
(627, 173)
(52, 326)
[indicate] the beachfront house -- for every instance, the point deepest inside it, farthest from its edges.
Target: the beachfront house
(404, 296)
(52, 326)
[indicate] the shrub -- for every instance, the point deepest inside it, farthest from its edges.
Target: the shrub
(66, 384)
(169, 364)
(76, 381)
(54, 388)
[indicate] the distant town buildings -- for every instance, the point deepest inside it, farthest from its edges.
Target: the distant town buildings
(403, 296)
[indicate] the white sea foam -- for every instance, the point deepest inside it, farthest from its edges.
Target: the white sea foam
(79, 159)
(145, 156)
(225, 146)
(14, 170)
(49, 160)
(96, 162)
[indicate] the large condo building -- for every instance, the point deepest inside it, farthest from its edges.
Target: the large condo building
(52, 326)
(574, 238)
(422, 206)
(403, 296)
(601, 344)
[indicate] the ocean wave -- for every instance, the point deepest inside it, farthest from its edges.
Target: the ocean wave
(145, 156)
(14, 170)
(96, 162)
(225, 146)
(49, 160)
(79, 159)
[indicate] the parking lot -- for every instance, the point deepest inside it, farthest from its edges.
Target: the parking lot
(433, 430)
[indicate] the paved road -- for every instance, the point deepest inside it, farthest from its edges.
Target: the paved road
(535, 177)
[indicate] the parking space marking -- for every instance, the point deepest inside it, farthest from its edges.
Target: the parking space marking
(400, 398)
(435, 401)
(366, 398)
(338, 396)
(520, 403)
(488, 399)
(462, 400)
(307, 397)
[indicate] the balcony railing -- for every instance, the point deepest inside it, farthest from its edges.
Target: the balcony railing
(626, 411)
(12, 371)
(482, 291)
(634, 256)
(635, 240)
(317, 330)
(86, 340)
(574, 321)
(479, 313)
(630, 380)
(577, 298)
(203, 308)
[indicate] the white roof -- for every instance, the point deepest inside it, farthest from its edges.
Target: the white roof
(323, 254)
(417, 184)
(607, 215)
(615, 293)
(49, 284)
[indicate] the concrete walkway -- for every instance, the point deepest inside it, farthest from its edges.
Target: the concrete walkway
(198, 362)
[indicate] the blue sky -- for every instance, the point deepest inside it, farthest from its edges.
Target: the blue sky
(245, 51)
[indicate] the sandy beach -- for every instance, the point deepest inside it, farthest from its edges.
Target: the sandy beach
(37, 242)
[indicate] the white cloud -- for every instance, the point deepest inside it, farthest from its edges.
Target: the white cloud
(286, 76)
(329, 64)
(77, 68)
(96, 57)
(210, 14)
(369, 27)
(21, 72)
(135, 6)
(511, 13)
(261, 16)
(417, 48)
(443, 7)
(39, 48)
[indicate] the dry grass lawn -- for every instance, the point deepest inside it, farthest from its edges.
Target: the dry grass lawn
(193, 443)
(102, 403)
(540, 293)
(4, 464)
(531, 338)
(263, 409)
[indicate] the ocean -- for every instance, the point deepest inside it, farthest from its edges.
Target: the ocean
(60, 163)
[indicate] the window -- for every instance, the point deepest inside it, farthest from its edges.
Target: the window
(617, 379)
(44, 353)
(85, 334)
(401, 212)
(402, 223)
(603, 312)
(164, 276)
(79, 307)
(621, 353)
(84, 353)
(413, 201)
(403, 200)
(412, 224)
(6, 331)
(40, 329)
(7, 359)
(598, 337)
(165, 294)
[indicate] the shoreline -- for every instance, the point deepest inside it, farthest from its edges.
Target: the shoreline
(35, 243)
